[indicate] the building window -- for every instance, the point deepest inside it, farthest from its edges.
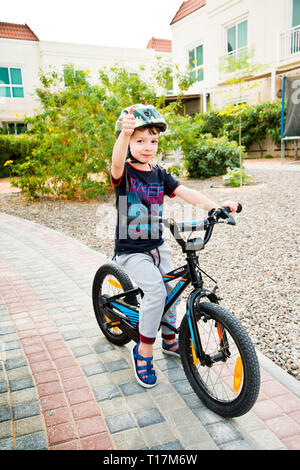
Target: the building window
(14, 127)
(296, 13)
(11, 83)
(196, 63)
(237, 36)
(237, 53)
(295, 32)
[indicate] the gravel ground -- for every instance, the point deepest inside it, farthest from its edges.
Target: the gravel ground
(256, 262)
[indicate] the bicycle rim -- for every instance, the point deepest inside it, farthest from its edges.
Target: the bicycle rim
(111, 286)
(223, 380)
(229, 382)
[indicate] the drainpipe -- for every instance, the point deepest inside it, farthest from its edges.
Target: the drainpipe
(204, 101)
(273, 85)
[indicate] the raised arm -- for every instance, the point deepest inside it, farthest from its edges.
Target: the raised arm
(121, 146)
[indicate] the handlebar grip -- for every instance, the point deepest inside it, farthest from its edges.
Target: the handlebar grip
(239, 208)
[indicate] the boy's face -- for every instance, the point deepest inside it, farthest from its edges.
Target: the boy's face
(143, 145)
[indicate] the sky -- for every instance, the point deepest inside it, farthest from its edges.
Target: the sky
(120, 23)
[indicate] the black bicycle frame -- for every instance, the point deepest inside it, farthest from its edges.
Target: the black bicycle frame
(189, 273)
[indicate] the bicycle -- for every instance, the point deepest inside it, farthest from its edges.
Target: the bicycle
(216, 352)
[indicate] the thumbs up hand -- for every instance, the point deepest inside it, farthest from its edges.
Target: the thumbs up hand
(128, 123)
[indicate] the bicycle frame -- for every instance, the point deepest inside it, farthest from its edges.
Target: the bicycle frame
(116, 308)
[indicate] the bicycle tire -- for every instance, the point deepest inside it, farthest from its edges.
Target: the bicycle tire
(120, 279)
(229, 387)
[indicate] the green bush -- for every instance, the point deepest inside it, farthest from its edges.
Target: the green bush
(237, 177)
(211, 156)
(256, 121)
(14, 149)
(209, 123)
(76, 131)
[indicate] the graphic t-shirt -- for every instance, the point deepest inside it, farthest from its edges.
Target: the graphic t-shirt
(140, 193)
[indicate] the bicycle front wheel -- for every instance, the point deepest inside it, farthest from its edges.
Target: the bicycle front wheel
(229, 382)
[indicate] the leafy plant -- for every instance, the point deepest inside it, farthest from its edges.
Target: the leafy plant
(237, 177)
(75, 130)
(211, 156)
(176, 170)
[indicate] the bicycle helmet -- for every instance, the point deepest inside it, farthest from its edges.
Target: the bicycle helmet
(145, 115)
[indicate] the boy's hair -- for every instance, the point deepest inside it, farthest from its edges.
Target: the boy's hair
(153, 129)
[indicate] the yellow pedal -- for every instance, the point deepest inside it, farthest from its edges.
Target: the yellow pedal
(113, 324)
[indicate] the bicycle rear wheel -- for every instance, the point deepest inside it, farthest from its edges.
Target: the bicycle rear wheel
(110, 280)
(229, 383)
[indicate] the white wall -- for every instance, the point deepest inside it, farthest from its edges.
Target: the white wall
(30, 56)
(266, 19)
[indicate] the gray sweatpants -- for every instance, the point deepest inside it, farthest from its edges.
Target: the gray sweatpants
(146, 272)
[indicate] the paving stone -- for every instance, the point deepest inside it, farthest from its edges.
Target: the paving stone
(82, 351)
(3, 386)
(20, 384)
(68, 335)
(236, 445)
(26, 410)
(158, 434)
(5, 413)
(120, 422)
(93, 369)
(223, 432)
(101, 348)
(192, 434)
(207, 416)
(149, 417)
(130, 439)
(5, 429)
(7, 444)
(36, 441)
(28, 425)
(176, 375)
(174, 445)
(106, 392)
(117, 365)
(131, 388)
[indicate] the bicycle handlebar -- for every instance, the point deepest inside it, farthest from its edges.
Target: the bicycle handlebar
(176, 228)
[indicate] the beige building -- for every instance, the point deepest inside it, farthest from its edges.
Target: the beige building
(22, 55)
(208, 34)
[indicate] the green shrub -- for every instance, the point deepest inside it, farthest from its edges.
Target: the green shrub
(14, 149)
(237, 177)
(211, 156)
(209, 123)
(175, 170)
(256, 121)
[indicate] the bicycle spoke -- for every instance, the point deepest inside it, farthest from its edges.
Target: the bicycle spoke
(224, 379)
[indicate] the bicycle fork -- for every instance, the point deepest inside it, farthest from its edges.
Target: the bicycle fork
(197, 349)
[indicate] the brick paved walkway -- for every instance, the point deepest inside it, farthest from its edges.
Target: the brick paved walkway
(63, 386)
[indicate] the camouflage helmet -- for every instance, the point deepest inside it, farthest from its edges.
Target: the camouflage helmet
(145, 115)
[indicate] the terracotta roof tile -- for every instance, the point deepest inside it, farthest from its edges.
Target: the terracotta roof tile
(187, 8)
(160, 45)
(17, 31)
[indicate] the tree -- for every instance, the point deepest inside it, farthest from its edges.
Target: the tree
(241, 66)
(76, 129)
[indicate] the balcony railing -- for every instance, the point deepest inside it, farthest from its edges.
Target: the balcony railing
(234, 61)
(289, 43)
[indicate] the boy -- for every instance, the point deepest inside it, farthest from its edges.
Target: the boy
(141, 250)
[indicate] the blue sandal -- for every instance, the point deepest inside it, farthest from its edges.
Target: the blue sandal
(145, 375)
(166, 348)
